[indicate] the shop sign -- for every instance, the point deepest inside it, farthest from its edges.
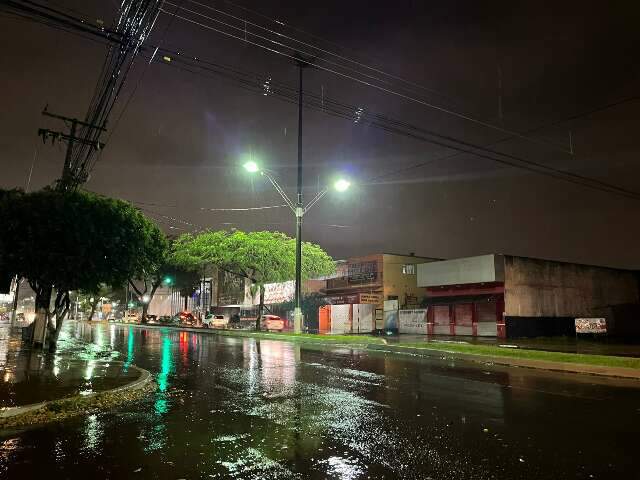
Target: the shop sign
(344, 299)
(591, 325)
(364, 272)
(372, 298)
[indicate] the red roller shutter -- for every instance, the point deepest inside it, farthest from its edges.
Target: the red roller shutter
(441, 320)
(464, 319)
(487, 319)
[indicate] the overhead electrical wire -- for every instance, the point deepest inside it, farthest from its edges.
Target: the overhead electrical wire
(136, 86)
(327, 105)
(418, 133)
(531, 130)
(328, 52)
(351, 77)
(207, 209)
(324, 51)
(135, 21)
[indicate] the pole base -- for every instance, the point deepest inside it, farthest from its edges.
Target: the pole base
(297, 320)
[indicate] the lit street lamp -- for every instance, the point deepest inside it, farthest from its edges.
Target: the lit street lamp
(340, 185)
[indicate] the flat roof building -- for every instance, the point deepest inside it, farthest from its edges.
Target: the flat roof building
(513, 296)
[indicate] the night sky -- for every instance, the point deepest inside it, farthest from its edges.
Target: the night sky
(180, 143)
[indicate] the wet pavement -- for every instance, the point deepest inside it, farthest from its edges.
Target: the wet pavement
(239, 408)
(77, 368)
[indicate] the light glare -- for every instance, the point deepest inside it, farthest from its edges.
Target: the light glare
(251, 167)
(341, 185)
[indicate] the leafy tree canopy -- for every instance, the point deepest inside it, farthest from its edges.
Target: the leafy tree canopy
(263, 257)
(76, 240)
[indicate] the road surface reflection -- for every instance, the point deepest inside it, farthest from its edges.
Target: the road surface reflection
(237, 408)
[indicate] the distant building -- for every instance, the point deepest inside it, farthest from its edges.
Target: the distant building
(511, 296)
(372, 279)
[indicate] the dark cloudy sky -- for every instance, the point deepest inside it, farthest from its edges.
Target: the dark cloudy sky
(182, 138)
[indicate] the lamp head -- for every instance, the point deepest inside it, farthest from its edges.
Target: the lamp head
(251, 167)
(342, 184)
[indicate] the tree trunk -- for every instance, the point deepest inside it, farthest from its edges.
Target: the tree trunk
(93, 309)
(42, 303)
(260, 308)
(61, 308)
(15, 302)
(145, 310)
(186, 302)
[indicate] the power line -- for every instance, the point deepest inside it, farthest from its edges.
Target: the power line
(138, 82)
(535, 129)
(411, 131)
(321, 50)
(207, 209)
(400, 127)
(199, 228)
(359, 80)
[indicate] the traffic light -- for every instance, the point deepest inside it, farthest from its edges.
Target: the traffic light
(168, 280)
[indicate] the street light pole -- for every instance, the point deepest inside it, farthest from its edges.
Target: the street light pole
(297, 313)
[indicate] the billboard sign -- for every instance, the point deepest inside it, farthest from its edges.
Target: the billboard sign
(278, 292)
(591, 325)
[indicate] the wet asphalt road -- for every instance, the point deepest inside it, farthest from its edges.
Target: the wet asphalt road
(240, 408)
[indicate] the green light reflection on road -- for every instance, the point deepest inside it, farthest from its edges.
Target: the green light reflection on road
(130, 349)
(166, 364)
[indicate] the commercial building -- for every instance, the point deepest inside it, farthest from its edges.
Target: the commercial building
(512, 296)
(363, 286)
(372, 279)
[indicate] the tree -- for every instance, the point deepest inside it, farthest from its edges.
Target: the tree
(63, 241)
(261, 257)
(92, 298)
(171, 270)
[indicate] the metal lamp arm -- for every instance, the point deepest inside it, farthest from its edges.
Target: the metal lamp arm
(315, 199)
(279, 190)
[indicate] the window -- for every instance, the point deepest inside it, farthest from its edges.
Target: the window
(409, 269)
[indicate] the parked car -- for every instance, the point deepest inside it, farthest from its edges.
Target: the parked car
(152, 319)
(272, 323)
(167, 320)
(215, 321)
(185, 318)
(131, 317)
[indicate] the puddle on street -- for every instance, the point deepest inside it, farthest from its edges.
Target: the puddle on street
(236, 408)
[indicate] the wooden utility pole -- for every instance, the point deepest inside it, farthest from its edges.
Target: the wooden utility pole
(72, 176)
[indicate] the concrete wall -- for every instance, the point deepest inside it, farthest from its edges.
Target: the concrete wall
(461, 271)
(543, 288)
(397, 283)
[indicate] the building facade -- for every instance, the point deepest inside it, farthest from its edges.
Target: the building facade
(372, 279)
(512, 296)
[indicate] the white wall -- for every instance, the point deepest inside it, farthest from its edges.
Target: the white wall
(460, 271)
